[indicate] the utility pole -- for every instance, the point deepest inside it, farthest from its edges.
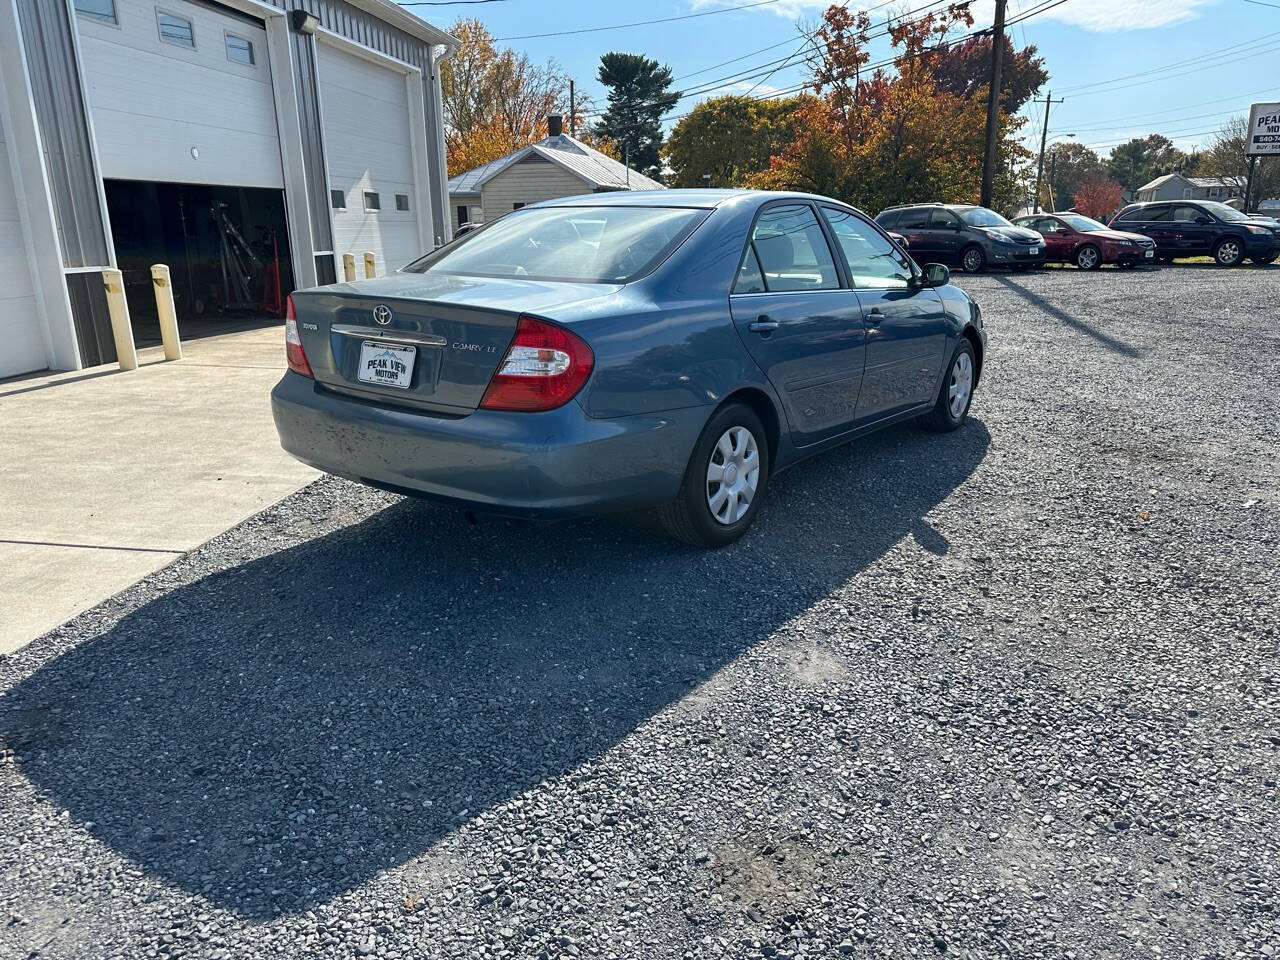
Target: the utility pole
(993, 105)
(1053, 178)
(1044, 137)
(573, 112)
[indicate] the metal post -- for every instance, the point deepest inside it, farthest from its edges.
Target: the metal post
(993, 105)
(370, 267)
(160, 280)
(1053, 176)
(573, 111)
(1248, 183)
(349, 267)
(118, 307)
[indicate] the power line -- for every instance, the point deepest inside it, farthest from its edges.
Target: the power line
(1180, 65)
(1159, 113)
(637, 23)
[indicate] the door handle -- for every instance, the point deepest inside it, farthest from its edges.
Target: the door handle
(875, 317)
(763, 325)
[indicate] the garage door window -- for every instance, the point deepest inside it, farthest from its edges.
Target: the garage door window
(239, 50)
(402, 201)
(176, 30)
(372, 202)
(104, 10)
(338, 199)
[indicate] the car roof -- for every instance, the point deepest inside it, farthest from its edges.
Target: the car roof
(944, 206)
(698, 198)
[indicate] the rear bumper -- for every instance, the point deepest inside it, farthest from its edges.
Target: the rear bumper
(557, 463)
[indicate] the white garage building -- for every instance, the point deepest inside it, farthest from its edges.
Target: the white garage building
(249, 144)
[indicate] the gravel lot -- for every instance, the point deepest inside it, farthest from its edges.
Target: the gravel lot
(1010, 692)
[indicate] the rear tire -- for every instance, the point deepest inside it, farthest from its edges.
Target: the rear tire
(956, 395)
(973, 259)
(1229, 252)
(710, 512)
(1088, 257)
(1263, 261)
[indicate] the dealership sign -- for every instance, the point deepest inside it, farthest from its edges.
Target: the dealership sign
(1264, 129)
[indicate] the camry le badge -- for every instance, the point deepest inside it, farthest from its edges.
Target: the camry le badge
(382, 314)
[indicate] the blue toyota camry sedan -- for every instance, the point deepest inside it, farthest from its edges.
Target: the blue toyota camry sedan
(669, 349)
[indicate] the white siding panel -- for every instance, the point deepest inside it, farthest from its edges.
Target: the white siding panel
(21, 344)
(528, 183)
(368, 146)
(154, 102)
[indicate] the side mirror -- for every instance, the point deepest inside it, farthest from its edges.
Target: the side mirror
(936, 275)
(1204, 219)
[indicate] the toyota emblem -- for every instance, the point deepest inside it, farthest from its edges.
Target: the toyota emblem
(382, 314)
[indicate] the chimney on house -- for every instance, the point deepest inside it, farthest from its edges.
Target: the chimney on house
(555, 125)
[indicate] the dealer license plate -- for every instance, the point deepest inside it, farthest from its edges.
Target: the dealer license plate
(1149, 254)
(388, 364)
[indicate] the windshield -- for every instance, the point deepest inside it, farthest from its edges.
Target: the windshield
(572, 244)
(1083, 224)
(1222, 211)
(982, 217)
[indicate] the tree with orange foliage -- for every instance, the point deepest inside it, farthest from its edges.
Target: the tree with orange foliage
(881, 137)
(1098, 196)
(496, 101)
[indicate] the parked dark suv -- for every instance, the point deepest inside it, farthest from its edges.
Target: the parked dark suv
(1201, 228)
(973, 237)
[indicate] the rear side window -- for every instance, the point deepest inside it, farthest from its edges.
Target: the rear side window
(873, 261)
(889, 220)
(915, 219)
(793, 251)
(1154, 213)
(750, 276)
(571, 244)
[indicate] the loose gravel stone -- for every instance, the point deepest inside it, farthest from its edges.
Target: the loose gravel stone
(1006, 692)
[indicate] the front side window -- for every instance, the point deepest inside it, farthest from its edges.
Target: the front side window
(942, 219)
(792, 250)
(873, 261)
(572, 244)
(1186, 214)
(104, 10)
(239, 50)
(176, 30)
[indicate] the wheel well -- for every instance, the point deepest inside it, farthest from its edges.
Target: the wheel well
(760, 403)
(976, 342)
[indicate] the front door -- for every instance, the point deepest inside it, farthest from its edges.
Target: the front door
(906, 323)
(799, 322)
(1059, 240)
(946, 230)
(1194, 238)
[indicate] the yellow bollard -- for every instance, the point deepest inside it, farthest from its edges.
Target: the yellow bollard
(349, 267)
(118, 307)
(165, 310)
(370, 267)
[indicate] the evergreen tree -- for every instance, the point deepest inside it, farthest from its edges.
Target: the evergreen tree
(639, 95)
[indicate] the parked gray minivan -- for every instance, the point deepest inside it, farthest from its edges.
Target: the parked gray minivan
(971, 236)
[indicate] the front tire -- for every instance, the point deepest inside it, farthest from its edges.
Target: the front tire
(956, 395)
(973, 259)
(1229, 252)
(1088, 257)
(724, 482)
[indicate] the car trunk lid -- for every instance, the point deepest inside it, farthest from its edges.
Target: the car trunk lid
(430, 341)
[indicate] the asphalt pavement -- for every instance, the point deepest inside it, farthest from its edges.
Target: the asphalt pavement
(1007, 692)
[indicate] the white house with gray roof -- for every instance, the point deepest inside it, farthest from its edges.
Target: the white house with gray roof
(556, 166)
(1174, 186)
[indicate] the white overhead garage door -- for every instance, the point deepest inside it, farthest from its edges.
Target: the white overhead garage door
(21, 343)
(368, 142)
(175, 99)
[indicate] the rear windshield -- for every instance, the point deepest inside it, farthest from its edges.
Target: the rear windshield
(573, 244)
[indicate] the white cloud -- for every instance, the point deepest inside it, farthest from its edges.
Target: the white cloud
(744, 87)
(1100, 16)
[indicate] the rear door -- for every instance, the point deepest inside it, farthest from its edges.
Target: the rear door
(799, 321)
(906, 324)
(914, 225)
(945, 230)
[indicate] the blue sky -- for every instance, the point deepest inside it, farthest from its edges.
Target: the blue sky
(1092, 50)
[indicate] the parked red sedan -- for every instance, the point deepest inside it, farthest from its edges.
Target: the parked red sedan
(1074, 238)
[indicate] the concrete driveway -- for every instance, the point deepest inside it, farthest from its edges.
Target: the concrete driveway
(106, 476)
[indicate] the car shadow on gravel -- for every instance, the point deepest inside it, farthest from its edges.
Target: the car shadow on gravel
(1113, 344)
(277, 732)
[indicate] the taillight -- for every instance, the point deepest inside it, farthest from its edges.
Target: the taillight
(543, 369)
(293, 351)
